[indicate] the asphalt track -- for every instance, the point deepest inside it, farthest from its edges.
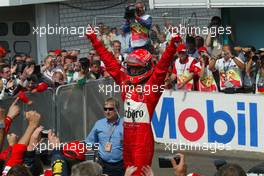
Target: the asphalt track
(202, 162)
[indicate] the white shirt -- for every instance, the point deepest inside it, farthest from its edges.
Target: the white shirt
(230, 73)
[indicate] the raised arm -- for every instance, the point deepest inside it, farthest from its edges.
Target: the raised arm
(162, 67)
(145, 22)
(112, 65)
(158, 77)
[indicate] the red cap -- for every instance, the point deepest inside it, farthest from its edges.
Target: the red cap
(58, 52)
(202, 49)
(193, 174)
(22, 96)
(176, 38)
(75, 150)
(181, 48)
(48, 173)
(2, 52)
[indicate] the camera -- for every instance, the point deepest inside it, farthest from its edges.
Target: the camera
(130, 12)
(44, 134)
(165, 161)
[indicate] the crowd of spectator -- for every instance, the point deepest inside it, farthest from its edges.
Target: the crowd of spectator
(201, 64)
(23, 157)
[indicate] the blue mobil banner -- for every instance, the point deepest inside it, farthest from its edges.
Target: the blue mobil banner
(193, 117)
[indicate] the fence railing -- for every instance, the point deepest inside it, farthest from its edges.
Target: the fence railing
(72, 109)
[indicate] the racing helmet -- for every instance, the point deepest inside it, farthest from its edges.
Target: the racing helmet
(139, 66)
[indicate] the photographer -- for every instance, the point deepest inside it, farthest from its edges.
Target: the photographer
(11, 85)
(206, 81)
(251, 67)
(48, 68)
(138, 24)
(229, 68)
(260, 73)
(214, 43)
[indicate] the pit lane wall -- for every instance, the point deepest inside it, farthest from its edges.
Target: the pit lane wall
(194, 118)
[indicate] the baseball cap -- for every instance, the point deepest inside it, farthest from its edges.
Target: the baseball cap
(202, 49)
(75, 150)
(181, 48)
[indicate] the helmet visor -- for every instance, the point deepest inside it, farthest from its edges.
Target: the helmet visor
(136, 70)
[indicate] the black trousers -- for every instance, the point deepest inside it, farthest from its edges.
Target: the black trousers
(112, 169)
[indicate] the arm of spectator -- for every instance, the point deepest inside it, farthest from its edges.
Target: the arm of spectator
(30, 159)
(130, 170)
(33, 119)
(13, 112)
(208, 40)
(2, 129)
(199, 69)
(13, 69)
(2, 89)
(145, 22)
(147, 171)
(28, 70)
(113, 67)
(181, 168)
(58, 162)
(16, 157)
(212, 63)
(249, 66)
(12, 140)
(239, 63)
(35, 139)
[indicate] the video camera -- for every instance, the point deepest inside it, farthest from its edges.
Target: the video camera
(130, 12)
(248, 51)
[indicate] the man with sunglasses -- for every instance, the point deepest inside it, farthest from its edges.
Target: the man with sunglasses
(108, 133)
(139, 105)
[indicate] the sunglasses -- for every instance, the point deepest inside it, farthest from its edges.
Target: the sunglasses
(109, 109)
(92, 54)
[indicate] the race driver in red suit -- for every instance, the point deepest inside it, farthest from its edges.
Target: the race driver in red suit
(139, 105)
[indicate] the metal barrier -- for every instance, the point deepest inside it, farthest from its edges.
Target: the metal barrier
(79, 107)
(70, 111)
(44, 103)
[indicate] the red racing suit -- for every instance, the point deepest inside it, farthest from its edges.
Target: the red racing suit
(139, 107)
